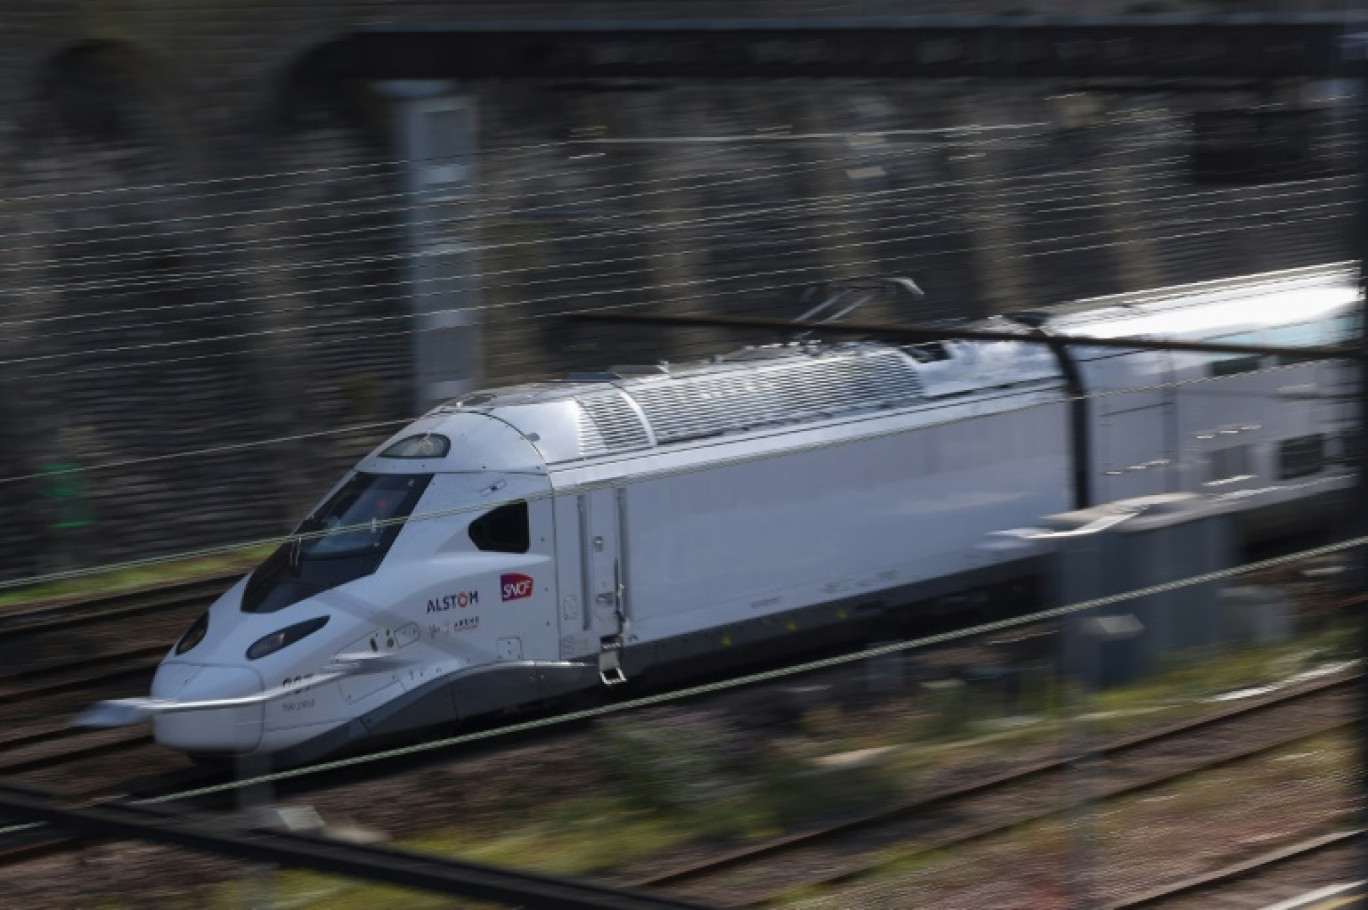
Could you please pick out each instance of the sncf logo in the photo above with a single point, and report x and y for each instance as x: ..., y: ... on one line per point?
x: 515, y: 586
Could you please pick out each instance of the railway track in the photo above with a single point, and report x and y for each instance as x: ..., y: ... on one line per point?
x: 60, y: 656
x: 1288, y: 871
x: 95, y: 645
x: 960, y: 816
x: 23, y: 753
x: 56, y: 657
x: 71, y: 612
x: 1319, y: 706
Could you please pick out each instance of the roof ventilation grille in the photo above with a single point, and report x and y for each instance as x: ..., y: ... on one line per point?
x: 608, y: 423
x: 695, y: 407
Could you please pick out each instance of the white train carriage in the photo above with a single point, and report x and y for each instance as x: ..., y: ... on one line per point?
x: 524, y: 544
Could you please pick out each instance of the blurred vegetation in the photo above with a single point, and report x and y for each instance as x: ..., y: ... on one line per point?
x: 1190, y: 681
x: 724, y: 781
x: 139, y: 577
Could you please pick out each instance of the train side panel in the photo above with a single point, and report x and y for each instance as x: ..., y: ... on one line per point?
x: 1270, y: 433
x: 764, y: 536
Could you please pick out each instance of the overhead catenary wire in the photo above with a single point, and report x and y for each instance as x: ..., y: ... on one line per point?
x: 824, y: 205
x: 534, y: 301
x: 487, y: 213
x: 163, y: 282
x: 394, y: 164
x: 968, y: 135
x: 385, y: 424
x: 802, y: 166
x: 403, y: 204
x: 371, y: 336
x: 531, y: 302
x: 209, y: 450
x: 785, y: 167
x: 852, y: 200
x: 288, y: 438
x: 993, y: 395
x: 314, y: 305
x: 640, y: 289
x: 160, y: 283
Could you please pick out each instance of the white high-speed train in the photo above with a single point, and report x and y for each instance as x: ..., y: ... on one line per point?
x: 524, y: 544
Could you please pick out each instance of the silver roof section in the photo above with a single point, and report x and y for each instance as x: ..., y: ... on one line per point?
x: 793, y: 390
x: 1093, y: 309
x: 609, y: 423
x: 593, y: 415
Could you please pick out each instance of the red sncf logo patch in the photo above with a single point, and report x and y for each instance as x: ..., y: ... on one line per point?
x: 515, y: 586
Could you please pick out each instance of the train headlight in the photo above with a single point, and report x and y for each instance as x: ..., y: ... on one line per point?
x: 272, y: 643
x: 194, y: 635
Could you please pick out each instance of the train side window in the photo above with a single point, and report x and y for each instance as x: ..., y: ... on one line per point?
x: 1234, y: 364
x: 1228, y: 464
x: 1349, y: 442
x: 1301, y: 457
x: 427, y: 445
x: 1287, y: 360
x: 503, y: 530
x: 1346, y: 326
x: 1229, y: 366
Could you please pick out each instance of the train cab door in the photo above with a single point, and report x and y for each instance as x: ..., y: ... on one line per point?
x: 604, y: 582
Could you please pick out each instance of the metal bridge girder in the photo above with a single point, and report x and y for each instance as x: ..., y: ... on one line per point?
x: 1150, y: 47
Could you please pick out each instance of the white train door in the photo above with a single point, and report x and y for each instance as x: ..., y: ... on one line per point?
x: 604, y: 584
x: 590, y: 578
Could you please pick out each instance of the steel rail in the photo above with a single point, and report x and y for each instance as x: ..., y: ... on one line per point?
x: 917, y: 807
x: 1247, y: 869
x: 30, y: 682
x: 992, y: 829
x: 46, y: 615
x: 98, y: 744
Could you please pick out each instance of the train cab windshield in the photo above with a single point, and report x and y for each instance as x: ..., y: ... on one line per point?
x: 345, y: 538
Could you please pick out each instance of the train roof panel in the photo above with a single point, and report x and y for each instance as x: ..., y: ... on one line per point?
x: 456, y: 442
x: 1214, y: 309
x: 590, y: 415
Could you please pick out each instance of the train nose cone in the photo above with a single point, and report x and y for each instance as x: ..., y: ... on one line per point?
x: 212, y: 729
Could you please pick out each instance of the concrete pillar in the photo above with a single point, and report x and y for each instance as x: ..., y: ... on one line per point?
x: 833, y: 175
x: 992, y: 218
x: 436, y: 135
x: 676, y: 246
x: 1120, y: 185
